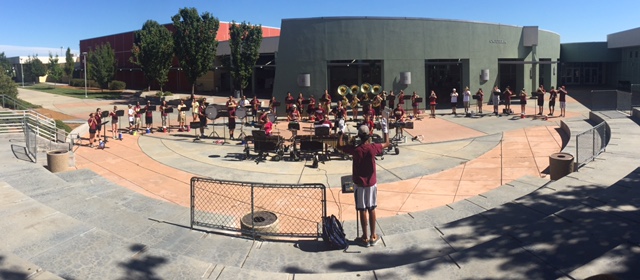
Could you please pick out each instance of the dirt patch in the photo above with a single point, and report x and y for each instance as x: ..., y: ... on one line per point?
x: 58, y: 116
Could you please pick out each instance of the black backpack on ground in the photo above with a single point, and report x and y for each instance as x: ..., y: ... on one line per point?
x: 333, y: 234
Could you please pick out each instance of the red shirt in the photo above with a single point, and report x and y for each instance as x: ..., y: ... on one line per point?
x: 114, y: 117
x: 268, y: 127
x: 148, y: 111
x: 364, y: 163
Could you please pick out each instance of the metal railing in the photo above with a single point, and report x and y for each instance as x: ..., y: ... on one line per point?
x: 12, y: 121
x: 604, y: 100
x: 590, y: 143
x: 258, y: 209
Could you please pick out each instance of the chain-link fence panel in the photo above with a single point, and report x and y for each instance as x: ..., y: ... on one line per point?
x: 256, y: 209
x: 623, y: 102
x: 591, y: 143
x: 31, y: 140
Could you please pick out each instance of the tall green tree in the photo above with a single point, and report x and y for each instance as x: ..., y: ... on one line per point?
x: 5, y: 65
x: 195, y: 42
x: 7, y: 86
x: 54, y: 70
x: 153, y: 52
x: 69, y: 65
x: 245, y: 40
x: 102, y: 65
x: 34, y: 68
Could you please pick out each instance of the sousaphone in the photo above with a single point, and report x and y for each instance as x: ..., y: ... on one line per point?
x: 343, y: 90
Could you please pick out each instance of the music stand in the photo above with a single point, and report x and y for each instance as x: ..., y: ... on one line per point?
x: 406, y: 97
x: 105, y: 129
x: 120, y: 113
x: 169, y: 110
x: 195, y: 126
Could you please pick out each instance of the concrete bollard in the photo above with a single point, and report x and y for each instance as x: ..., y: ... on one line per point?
x: 58, y: 160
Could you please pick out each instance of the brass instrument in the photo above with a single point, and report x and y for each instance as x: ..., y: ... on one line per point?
x: 365, y: 88
x: 354, y: 89
x: 354, y: 102
x: 343, y: 90
x: 376, y: 89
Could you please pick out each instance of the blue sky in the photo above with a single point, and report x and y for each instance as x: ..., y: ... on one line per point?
x: 39, y: 26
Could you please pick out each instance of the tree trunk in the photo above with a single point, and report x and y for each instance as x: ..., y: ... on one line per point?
x: 193, y: 88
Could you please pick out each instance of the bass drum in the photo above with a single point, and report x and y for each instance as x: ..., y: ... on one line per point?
x: 211, y: 112
x: 241, y: 112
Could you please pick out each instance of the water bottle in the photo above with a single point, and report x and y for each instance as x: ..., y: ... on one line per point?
x: 120, y: 136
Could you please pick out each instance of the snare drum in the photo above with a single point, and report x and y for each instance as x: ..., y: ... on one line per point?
x: 241, y: 112
x: 211, y: 112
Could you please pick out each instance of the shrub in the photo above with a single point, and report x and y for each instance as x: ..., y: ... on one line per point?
x: 80, y: 83
x: 7, y: 86
x: 161, y: 94
x: 117, y: 85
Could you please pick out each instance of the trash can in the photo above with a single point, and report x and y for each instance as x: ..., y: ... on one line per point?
x: 58, y: 160
x: 560, y: 164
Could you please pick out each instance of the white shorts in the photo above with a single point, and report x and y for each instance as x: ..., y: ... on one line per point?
x: 563, y: 104
x: 366, y: 198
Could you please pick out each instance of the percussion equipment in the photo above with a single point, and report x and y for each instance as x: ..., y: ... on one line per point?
x: 293, y: 126
x: 241, y: 112
x: 215, y: 111
x: 272, y: 117
x: 408, y: 125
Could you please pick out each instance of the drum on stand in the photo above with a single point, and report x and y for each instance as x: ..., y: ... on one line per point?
x: 211, y: 112
x: 241, y: 112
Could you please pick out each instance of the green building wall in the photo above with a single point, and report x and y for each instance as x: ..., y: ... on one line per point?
x: 404, y: 44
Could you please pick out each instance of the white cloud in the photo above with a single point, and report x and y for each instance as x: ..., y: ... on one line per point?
x: 42, y: 52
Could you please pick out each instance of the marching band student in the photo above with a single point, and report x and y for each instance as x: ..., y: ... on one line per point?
x: 195, y: 106
x: 182, y: 116
x: 163, y: 114
x: 507, y: 99
x: 288, y: 102
x: 391, y: 100
x: 376, y: 105
x: 92, y: 129
x: 202, y: 116
x: 414, y: 104
x: 136, y: 110
x: 98, y: 117
x: 272, y: 104
x: 523, y: 102
x: 401, y: 99
x: 299, y: 101
x: 552, y: 101
x: 563, y: 100
x: 320, y: 114
x: 454, y: 102
x: 479, y: 97
x: 132, y: 115
x: 231, y: 108
x: 433, y: 98
x: 311, y: 108
x: 114, y: 121
x: 368, y: 121
x: 540, y: 94
x: 255, y: 107
x: 326, y: 101
x: 495, y: 99
x: 466, y: 98
x: 354, y: 107
x: 148, y: 116
x: 294, y: 116
x: 268, y: 125
x: 399, y: 113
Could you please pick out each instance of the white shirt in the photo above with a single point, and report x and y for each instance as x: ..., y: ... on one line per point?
x: 131, y: 113
x: 466, y: 95
x: 454, y: 97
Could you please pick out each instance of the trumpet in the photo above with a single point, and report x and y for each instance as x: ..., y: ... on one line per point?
x: 343, y: 90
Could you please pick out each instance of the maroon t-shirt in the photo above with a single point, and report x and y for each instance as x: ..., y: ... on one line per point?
x: 364, y: 163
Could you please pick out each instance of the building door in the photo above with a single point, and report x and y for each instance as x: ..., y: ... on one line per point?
x: 591, y: 75
x: 442, y: 77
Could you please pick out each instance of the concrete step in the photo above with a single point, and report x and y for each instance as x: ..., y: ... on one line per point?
x: 15, y: 267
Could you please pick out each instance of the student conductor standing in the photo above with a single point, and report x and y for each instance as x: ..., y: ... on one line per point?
x: 364, y: 178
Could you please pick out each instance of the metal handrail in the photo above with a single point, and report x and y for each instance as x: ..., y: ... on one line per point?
x: 43, y: 125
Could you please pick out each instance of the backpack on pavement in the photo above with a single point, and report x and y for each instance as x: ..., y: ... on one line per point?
x: 333, y: 234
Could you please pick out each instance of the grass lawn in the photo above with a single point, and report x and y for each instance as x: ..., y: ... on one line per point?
x: 77, y: 92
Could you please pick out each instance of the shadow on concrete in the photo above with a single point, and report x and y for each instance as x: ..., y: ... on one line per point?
x: 20, y: 153
x: 10, y: 274
x: 544, y: 235
x: 141, y: 265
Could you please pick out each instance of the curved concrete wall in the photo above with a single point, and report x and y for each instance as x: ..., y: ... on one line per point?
x: 403, y: 44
